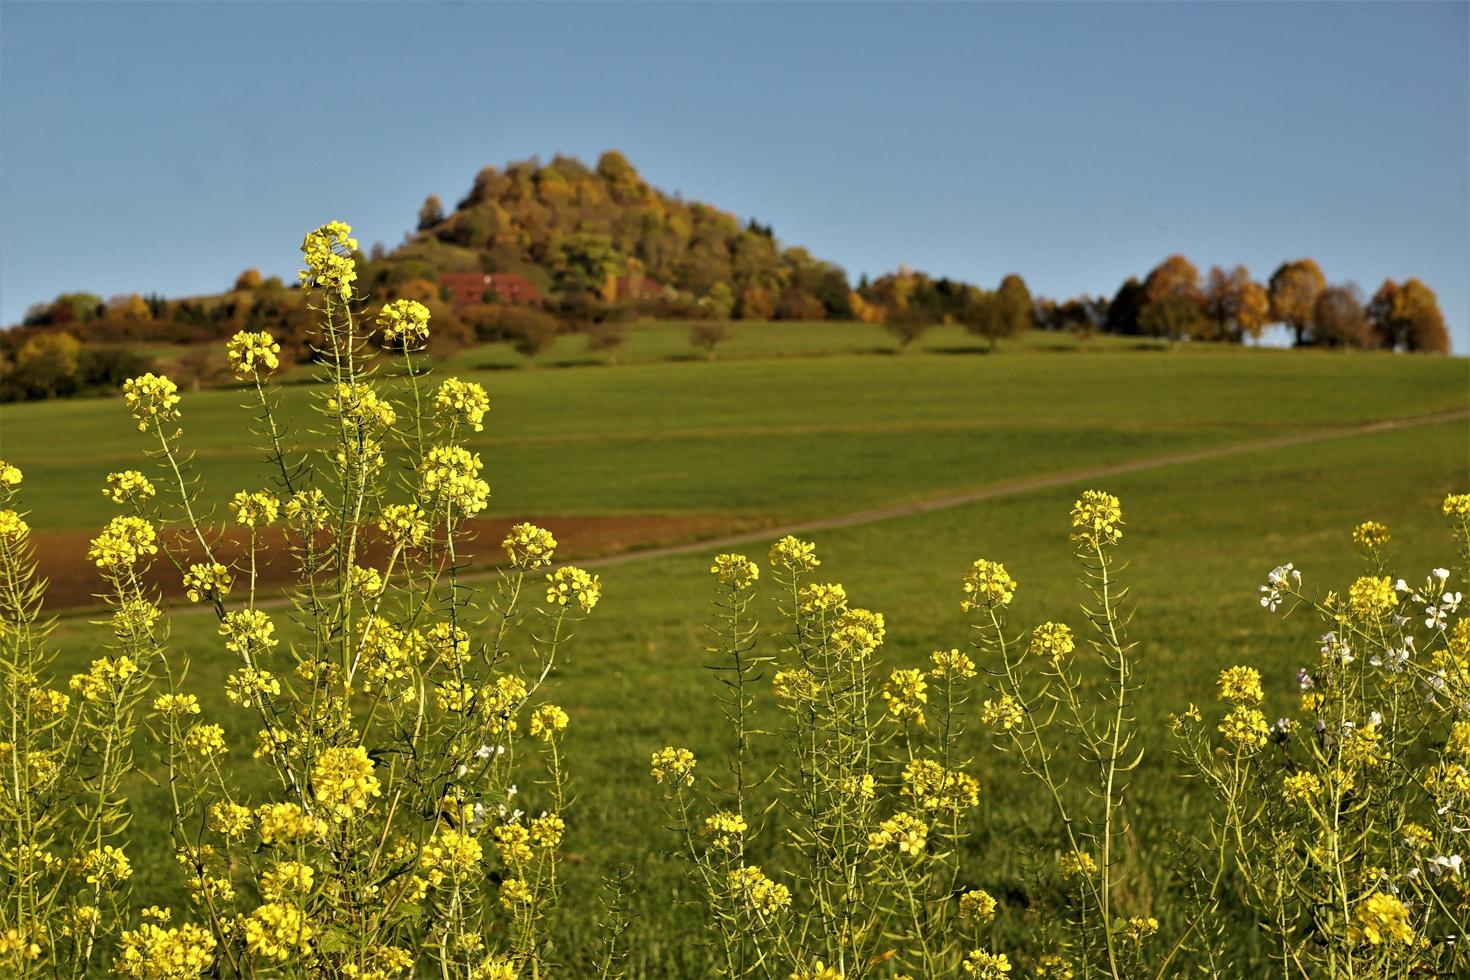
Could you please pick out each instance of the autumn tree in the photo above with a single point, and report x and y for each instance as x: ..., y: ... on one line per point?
x: 1339, y: 319
x: 431, y: 213
x: 583, y: 262
x: 1294, y: 289
x: 1235, y: 305
x: 1407, y: 317
x: 1175, y: 276
x: 249, y: 279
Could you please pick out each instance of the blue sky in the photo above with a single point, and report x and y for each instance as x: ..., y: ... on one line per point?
x: 165, y: 147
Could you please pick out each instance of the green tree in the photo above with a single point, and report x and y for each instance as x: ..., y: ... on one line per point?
x: 1173, y: 318
x: 583, y: 262
x: 1005, y: 313
x: 431, y: 213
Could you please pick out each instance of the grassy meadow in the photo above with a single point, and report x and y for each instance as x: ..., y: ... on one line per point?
x: 821, y: 421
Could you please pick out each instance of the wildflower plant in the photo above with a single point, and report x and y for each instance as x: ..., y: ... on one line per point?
x: 397, y: 708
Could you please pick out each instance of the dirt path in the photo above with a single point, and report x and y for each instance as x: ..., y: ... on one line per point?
x: 766, y: 533
x: 1026, y: 485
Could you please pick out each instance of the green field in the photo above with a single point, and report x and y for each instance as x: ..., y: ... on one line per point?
x: 792, y: 438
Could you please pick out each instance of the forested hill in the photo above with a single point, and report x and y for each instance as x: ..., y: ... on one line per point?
x: 572, y: 230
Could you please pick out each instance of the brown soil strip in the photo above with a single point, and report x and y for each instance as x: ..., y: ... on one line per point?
x: 74, y: 582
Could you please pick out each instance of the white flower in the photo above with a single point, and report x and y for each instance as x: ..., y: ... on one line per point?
x: 1441, y: 573
x: 1442, y: 863
x: 1278, y: 583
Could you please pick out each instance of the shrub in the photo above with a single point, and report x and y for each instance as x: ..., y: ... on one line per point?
x: 530, y: 331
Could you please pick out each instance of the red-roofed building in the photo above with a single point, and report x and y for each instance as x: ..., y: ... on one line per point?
x: 468, y: 288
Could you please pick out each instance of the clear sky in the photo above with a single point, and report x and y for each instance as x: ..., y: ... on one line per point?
x: 166, y: 146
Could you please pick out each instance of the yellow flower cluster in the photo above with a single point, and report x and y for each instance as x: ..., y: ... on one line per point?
x: 1078, y: 864
x: 1097, y: 519
x: 677, y: 765
x: 724, y: 829
x: 1053, y: 641
x: 1241, y: 685
x: 286, y: 823
x: 548, y: 721
x: 123, y: 543
x: 308, y: 509
x: 364, y: 581
x: 106, y: 677
x: 547, y: 831
x: 820, y: 598
x: 794, y: 555
x: 1457, y: 505
x: 513, y: 843
x: 1140, y: 927
x: 906, y: 693
x: 205, y: 740
x: 252, y: 354
x: 903, y: 830
x: 362, y: 407
x: 1370, y: 535
x: 328, y: 254
x: 570, y: 583
x: 277, y: 931
x: 987, y: 584
x: 529, y: 547
x: 405, y: 524
x: 1381, y: 918
x: 951, y: 664
x: 254, y: 509
x: 207, y: 582
x: 934, y: 787
x: 1004, y: 712
x: 13, y: 527
x: 10, y: 476
x: 977, y: 905
x: 248, y: 631
x: 152, y: 398
x: 229, y: 819
x: 736, y: 571
x: 1246, y: 727
x: 983, y: 965
x: 135, y: 618
x: 1301, y: 787
x: 450, y: 853
x: 858, y: 633
x: 176, y: 705
x: 251, y: 686
x: 452, y: 474
x: 404, y: 321
x: 128, y: 487
x: 153, y: 952
x: 462, y: 401
x: 755, y: 891
x: 289, y: 879
x: 1372, y: 596
x: 343, y: 781
x: 107, y: 865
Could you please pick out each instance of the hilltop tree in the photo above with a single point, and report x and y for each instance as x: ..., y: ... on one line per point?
x: 249, y: 279
x: 1294, y: 288
x: 1004, y: 313
x: 1236, y: 305
x: 1408, y: 317
x: 1175, y: 276
x: 1338, y: 319
x: 431, y: 213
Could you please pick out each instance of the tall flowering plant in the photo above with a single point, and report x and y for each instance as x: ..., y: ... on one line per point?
x: 393, y: 702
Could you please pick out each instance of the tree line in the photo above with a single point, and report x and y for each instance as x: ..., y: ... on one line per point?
x: 1172, y: 302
